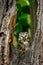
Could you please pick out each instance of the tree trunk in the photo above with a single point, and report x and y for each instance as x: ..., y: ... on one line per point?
x: 37, y: 44
x: 7, y: 22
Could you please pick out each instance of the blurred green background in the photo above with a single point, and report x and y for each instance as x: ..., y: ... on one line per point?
x: 23, y: 22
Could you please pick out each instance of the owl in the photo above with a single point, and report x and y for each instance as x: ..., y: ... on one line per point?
x: 24, y: 41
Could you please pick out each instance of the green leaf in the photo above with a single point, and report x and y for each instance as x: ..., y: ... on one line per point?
x: 23, y: 2
x: 29, y: 19
x: 25, y: 18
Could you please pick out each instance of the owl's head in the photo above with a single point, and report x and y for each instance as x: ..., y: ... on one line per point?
x: 24, y: 40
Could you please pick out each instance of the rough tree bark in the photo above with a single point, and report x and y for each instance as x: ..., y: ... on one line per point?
x: 37, y: 45
x: 7, y: 22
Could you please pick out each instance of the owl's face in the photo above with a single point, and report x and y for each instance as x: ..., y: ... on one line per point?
x: 24, y: 36
x: 24, y: 39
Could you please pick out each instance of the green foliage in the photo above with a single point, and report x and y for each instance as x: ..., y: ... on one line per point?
x: 32, y: 1
x: 23, y: 21
x: 23, y: 3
